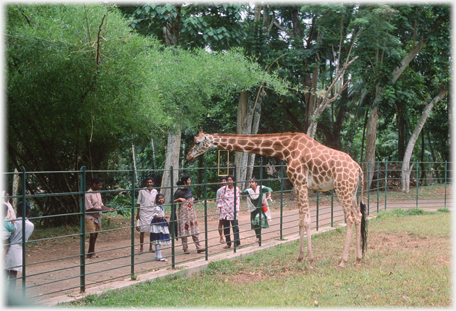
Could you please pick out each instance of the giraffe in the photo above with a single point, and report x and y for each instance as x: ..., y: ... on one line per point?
x: 311, y: 165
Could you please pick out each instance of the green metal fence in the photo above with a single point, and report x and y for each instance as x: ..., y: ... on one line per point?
x: 44, y: 275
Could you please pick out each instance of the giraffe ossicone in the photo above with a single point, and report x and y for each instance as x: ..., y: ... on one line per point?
x: 311, y: 165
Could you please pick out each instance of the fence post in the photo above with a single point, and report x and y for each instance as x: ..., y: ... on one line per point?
x: 260, y: 199
x: 417, y: 181
x: 205, y: 213
x: 24, y: 214
x: 133, y: 178
x: 281, y: 201
x: 446, y: 167
x: 378, y: 185
x: 318, y: 197
x: 235, y: 224
x: 332, y: 206
x: 82, y: 228
x: 386, y: 179
x: 368, y: 188
x: 173, y: 223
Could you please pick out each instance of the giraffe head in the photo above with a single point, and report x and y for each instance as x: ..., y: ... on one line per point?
x: 201, y: 145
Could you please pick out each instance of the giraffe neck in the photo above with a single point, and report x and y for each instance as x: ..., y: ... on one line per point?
x: 274, y: 145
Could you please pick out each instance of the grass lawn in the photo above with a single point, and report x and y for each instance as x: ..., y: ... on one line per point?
x: 408, y: 264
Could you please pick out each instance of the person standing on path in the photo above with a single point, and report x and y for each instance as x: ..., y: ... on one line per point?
x: 8, y: 228
x: 159, y: 229
x: 13, y: 258
x: 228, y: 206
x: 11, y: 215
x: 219, y: 207
x: 257, y: 204
x: 187, y: 221
x: 94, y: 207
x: 146, y: 205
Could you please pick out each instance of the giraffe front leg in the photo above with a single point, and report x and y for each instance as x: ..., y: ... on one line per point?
x: 304, y: 224
x: 307, y: 223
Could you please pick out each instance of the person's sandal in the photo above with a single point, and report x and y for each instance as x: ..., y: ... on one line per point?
x: 227, y: 246
x: 202, y: 250
x: 186, y: 252
x: 222, y: 240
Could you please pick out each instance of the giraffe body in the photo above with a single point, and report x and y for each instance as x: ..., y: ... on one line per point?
x: 311, y: 165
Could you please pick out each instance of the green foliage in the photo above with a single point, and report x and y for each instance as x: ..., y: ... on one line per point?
x: 401, y: 213
x: 184, y: 86
x: 122, y: 205
x: 110, y: 99
x: 221, y: 267
x: 218, y: 26
x: 74, y: 88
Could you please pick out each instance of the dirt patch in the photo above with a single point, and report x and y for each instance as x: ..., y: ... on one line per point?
x: 248, y: 277
x: 409, y: 240
x: 414, y: 244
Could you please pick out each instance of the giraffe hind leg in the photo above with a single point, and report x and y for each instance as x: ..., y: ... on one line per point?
x: 301, y: 243
x: 358, y: 217
x: 347, y: 243
x: 350, y: 217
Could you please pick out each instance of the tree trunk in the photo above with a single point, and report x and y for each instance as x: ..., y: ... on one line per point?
x: 371, y: 138
x: 322, y: 103
x: 172, y: 160
x: 134, y: 162
x: 153, y: 152
x: 183, y: 154
x: 364, y: 136
x: 242, y: 128
x: 256, y: 115
x: 423, y: 167
x: 171, y: 33
x: 171, y: 28
x: 370, y: 150
x: 16, y: 179
x: 406, y: 168
x: 401, y: 130
x: 337, y: 128
x: 312, y: 97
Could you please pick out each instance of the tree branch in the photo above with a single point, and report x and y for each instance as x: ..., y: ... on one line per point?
x: 97, y: 54
x: 283, y: 29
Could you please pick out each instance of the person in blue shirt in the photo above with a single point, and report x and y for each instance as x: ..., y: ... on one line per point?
x: 159, y: 227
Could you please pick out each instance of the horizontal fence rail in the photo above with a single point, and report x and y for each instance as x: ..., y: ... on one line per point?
x: 54, y: 259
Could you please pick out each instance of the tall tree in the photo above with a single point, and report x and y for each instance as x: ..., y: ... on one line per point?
x: 61, y: 121
x: 218, y: 33
x: 406, y: 167
x: 429, y: 24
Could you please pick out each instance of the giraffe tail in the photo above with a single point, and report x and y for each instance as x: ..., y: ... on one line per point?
x: 362, y: 209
